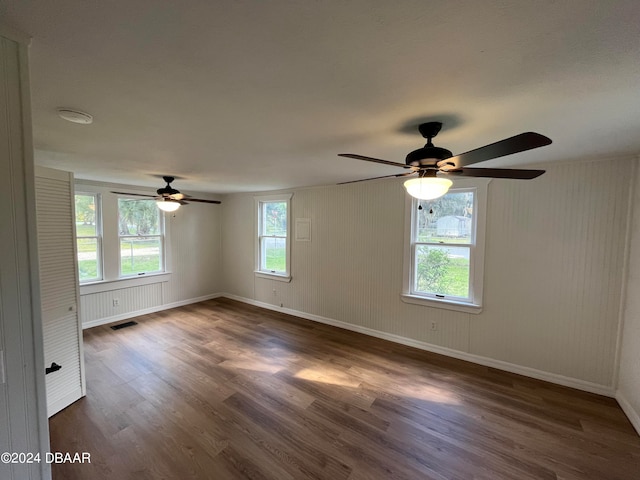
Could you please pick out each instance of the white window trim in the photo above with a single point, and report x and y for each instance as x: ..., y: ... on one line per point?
x: 124, y: 282
x: 161, y: 236
x: 111, y: 278
x: 282, y: 277
x: 97, y: 199
x: 474, y: 305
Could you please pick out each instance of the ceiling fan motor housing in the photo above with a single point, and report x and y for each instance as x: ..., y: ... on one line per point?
x: 427, y: 156
x: 167, y: 190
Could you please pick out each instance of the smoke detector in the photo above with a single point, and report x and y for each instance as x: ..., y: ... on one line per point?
x: 75, y: 116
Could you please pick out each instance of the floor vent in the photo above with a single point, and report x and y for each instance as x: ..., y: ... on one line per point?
x: 124, y: 325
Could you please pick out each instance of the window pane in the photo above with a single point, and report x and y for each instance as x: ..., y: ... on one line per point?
x: 274, y: 219
x: 88, y: 263
x: 86, y: 216
x: 138, y: 217
x: 140, y: 255
x: 273, y: 254
x: 442, y: 270
x: 447, y: 219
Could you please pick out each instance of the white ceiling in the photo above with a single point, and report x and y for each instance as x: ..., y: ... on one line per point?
x: 247, y: 95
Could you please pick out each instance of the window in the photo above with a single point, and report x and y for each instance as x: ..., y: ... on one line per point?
x: 273, y: 239
x: 140, y: 233
x: 88, y: 237
x: 122, y: 240
x: 444, y: 258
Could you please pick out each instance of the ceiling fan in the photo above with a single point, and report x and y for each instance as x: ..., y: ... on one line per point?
x: 169, y: 199
x: 428, y: 161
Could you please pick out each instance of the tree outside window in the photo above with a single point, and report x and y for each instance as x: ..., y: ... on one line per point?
x: 443, y: 245
x: 141, y: 239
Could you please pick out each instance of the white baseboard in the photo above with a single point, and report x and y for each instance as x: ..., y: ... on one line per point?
x: 486, y: 361
x: 145, y: 311
x: 629, y: 411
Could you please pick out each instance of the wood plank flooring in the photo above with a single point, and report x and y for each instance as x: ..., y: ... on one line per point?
x: 223, y: 390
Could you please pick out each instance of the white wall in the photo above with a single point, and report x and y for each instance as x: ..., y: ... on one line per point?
x: 194, y: 260
x: 23, y: 420
x: 553, y: 272
x: 628, y: 393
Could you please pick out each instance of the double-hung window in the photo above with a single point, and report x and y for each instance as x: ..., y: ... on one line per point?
x: 140, y: 231
x: 273, y: 239
x: 445, y: 254
x: 88, y: 237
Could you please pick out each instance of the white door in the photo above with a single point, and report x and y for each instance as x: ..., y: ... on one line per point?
x: 59, y: 289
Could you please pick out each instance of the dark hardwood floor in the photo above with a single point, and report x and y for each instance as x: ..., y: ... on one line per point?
x: 223, y: 390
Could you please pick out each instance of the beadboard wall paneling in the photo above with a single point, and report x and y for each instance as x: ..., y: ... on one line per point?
x: 96, y: 306
x: 553, y: 272
x: 555, y: 253
x: 193, y: 258
x: 628, y: 393
x: 23, y: 418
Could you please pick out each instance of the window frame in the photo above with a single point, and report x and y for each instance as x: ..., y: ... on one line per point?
x: 476, y: 252
x: 110, y: 246
x: 160, y: 236
x: 260, y: 201
x: 97, y: 201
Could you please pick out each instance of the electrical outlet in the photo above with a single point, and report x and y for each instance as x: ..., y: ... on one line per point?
x: 434, y: 326
x: 116, y: 302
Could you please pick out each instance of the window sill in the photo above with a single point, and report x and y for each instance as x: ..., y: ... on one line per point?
x: 108, y: 285
x: 273, y: 276
x: 441, y: 303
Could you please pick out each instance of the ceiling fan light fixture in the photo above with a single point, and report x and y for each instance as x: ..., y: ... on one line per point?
x: 427, y: 188
x: 167, y: 205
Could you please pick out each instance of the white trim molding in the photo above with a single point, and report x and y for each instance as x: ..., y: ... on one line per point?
x: 145, y: 311
x: 258, y: 271
x: 125, y: 282
x: 479, y: 187
x: 632, y: 415
x: 576, y: 383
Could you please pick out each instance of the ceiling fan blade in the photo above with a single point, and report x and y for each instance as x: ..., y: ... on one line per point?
x: 376, y: 178
x: 519, y: 143
x: 518, y: 174
x: 203, y: 201
x: 376, y: 160
x: 134, y: 194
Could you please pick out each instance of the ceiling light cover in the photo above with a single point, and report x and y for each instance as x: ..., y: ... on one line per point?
x: 427, y: 188
x: 75, y: 116
x: 168, y: 205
